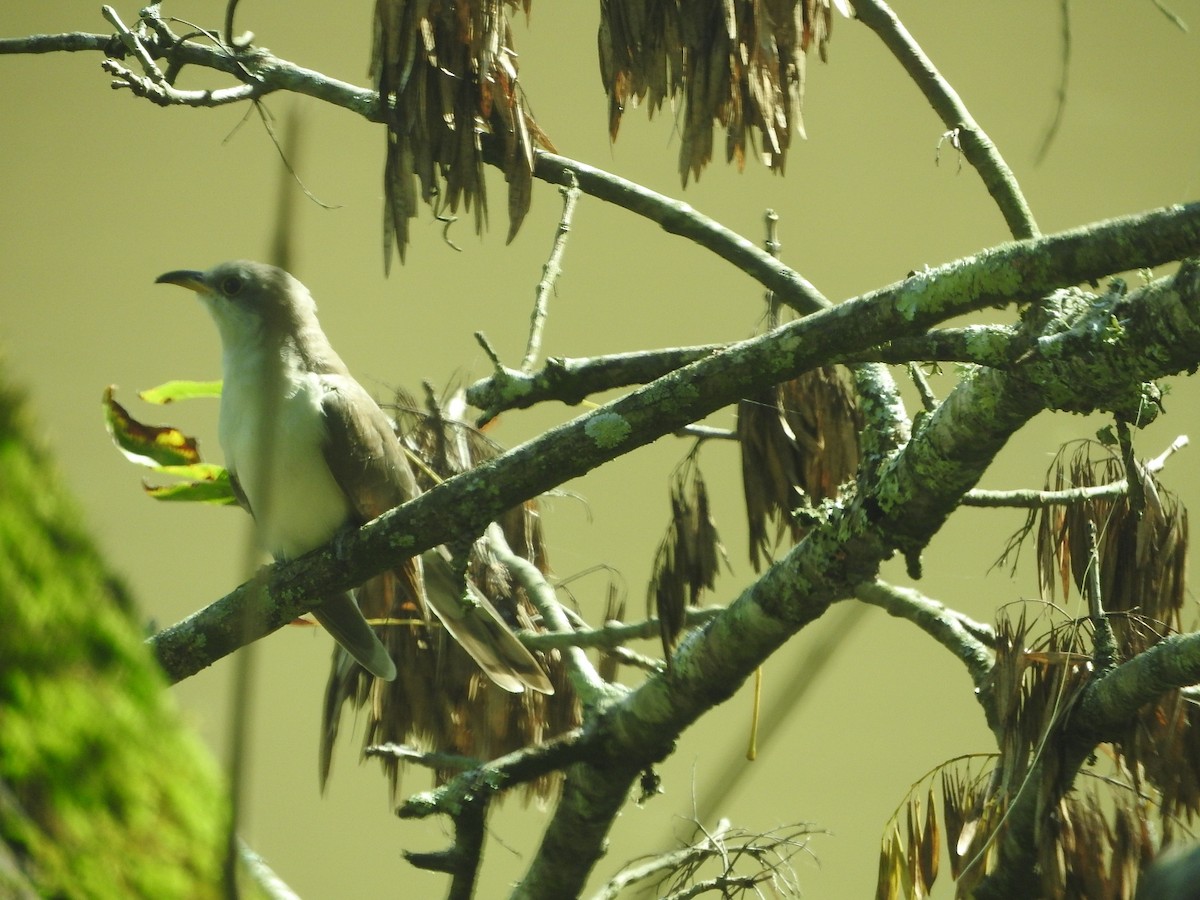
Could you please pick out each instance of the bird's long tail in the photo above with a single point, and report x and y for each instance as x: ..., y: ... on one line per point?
x: 474, y: 623
x: 341, y: 617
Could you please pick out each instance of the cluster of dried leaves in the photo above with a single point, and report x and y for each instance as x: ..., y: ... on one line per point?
x: 440, y: 700
x: 688, y: 556
x: 799, y: 442
x: 739, y: 63
x: 1142, y: 546
x: 1142, y: 787
x: 447, y: 75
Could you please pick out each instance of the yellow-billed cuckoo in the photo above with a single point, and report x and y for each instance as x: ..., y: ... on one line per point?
x: 309, y: 453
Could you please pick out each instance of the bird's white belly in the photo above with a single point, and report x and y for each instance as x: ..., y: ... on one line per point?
x: 296, y: 502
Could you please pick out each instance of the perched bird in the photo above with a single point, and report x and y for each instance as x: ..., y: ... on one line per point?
x: 310, y: 453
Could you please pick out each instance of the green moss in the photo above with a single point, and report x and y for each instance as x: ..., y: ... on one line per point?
x: 116, y: 798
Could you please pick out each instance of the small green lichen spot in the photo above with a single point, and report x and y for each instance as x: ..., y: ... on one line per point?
x: 607, y: 429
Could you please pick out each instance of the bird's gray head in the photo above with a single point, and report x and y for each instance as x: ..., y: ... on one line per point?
x: 250, y: 301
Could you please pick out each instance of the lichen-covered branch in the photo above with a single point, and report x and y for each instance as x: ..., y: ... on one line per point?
x: 467, y: 503
x: 570, y: 380
x: 915, y: 494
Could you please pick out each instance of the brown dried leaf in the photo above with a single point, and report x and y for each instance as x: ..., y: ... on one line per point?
x: 688, y: 557
x: 1142, y: 556
x: 800, y: 443
x: 931, y: 846
x: 447, y: 81
x: 887, y: 883
x: 739, y: 64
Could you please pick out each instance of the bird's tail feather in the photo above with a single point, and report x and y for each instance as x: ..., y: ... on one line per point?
x: 341, y: 617
x: 480, y: 630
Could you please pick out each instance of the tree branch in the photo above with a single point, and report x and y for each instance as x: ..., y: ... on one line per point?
x: 570, y: 380
x: 550, y: 271
x: 1035, y: 499
x: 976, y: 146
x: 918, y: 490
x: 467, y: 503
x: 967, y: 639
x: 586, y: 681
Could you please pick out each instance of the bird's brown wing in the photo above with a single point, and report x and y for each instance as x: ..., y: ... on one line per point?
x: 368, y: 462
x: 340, y: 616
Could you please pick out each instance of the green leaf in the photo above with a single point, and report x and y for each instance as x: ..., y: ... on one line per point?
x: 205, y: 483
x: 170, y: 391
x: 147, y: 445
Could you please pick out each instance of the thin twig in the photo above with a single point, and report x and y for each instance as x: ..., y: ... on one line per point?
x: 1035, y: 499
x: 570, y: 380
x: 614, y: 634
x: 1060, y: 105
x: 427, y: 758
x: 974, y: 141
x: 586, y: 681
x: 928, y: 398
x: 550, y: 273
x: 665, y: 862
x: 265, y: 880
x: 970, y: 641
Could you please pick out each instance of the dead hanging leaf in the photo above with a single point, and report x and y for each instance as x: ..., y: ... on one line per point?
x: 614, y: 611
x: 1143, y: 554
x: 929, y: 855
x: 909, y: 854
x: 1091, y: 844
x: 440, y: 700
x: 800, y: 443
x: 740, y: 64
x: 447, y: 80
x: 688, y: 557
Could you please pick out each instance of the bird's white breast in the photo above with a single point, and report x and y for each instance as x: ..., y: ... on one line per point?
x: 296, y: 502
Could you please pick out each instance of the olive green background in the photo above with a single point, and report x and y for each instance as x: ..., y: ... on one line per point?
x: 102, y: 192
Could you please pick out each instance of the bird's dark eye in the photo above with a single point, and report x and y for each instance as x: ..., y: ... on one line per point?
x: 230, y: 285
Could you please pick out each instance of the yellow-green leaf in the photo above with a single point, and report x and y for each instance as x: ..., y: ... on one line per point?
x: 170, y: 391
x: 204, y: 483
x: 147, y: 445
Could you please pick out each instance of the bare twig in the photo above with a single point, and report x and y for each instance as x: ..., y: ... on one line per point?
x: 570, y: 380
x: 265, y: 880
x: 969, y: 640
x: 656, y: 866
x: 1060, y: 105
x: 677, y: 217
x: 928, y: 398
x: 1034, y: 499
x: 976, y: 145
x: 550, y: 273
x: 586, y: 681
x: 500, y: 774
